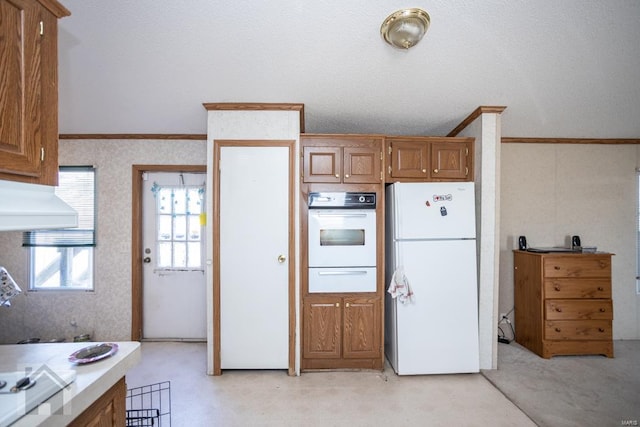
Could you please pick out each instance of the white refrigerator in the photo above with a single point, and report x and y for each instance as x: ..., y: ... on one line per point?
x: 431, y: 237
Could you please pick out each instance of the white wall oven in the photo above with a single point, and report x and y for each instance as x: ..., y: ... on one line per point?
x: 342, y: 242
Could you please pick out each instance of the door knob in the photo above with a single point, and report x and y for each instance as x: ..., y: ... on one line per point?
x: 282, y: 258
x: 146, y: 260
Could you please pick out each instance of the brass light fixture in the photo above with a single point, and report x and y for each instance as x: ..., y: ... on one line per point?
x: 405, y: 28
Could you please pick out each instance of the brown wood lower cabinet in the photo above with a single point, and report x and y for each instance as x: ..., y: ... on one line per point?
x: 342, y: 332
x: 108, y: 411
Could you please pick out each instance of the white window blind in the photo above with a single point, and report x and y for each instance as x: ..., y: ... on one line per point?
x: 76, y: 186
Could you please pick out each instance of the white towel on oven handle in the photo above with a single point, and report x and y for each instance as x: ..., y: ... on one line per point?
x: 399, y: 287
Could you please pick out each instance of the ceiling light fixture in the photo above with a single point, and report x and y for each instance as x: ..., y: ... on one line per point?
x: 405, y: 28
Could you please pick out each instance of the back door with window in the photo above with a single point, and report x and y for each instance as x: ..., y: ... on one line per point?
x: 174, y: 283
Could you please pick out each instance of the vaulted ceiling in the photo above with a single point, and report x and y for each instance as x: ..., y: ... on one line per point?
x: 566, y: 68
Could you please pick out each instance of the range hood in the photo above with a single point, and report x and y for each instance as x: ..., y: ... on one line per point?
x: 33, y: 207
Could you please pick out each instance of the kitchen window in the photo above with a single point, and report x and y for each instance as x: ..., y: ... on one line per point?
x: 63, y: 259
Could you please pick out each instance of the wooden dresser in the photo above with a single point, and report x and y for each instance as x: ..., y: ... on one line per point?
x: 563, y: 303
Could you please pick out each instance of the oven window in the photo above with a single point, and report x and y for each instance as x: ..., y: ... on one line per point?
x: 341, y: 237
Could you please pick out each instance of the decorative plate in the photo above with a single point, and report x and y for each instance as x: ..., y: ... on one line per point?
x: 93, y: 353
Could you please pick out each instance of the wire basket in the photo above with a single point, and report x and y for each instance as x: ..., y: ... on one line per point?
x: 149, y: 405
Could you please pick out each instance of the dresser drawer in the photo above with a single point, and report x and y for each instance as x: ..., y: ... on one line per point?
x: 577, y: 330
x: 577, y: 288
x: 577, y: 266
x: 570, y: 309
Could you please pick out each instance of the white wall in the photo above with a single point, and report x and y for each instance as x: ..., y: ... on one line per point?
x: 552, y: 191
x: 105, y: 313
x: 486, y: 130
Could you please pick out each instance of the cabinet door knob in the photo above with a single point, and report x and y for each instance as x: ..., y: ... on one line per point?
x: 337, y: 304
x: 347, y: 305
x: 337, y: 175
x: 346, y: 176
x: 281, y: 258
x: 434, y: 171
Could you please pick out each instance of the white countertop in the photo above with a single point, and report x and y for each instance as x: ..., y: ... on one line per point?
x: 91, y: 380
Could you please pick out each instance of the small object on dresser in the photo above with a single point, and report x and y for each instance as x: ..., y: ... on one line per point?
x: 522, y: 243
x: 575, y: 243
x: 590, y: 249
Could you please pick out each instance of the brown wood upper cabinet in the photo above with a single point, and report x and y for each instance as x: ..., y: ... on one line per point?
x: 342, y: 159
x: 417, y: 159
x: 29, y: 87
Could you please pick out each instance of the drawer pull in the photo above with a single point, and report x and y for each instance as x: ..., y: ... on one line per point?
x: 601, y: 329
x: 600, y: 288
x: 556, y: 288
x: 557, y: 267
x: 602, y: 310
x: 558, y: 330
x: 559, y: 309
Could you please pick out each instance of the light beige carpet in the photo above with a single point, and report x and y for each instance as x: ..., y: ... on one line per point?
x: 572, y: 390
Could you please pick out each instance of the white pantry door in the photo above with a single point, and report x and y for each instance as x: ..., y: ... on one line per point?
x: 173, y: 274
x: 254, y: 206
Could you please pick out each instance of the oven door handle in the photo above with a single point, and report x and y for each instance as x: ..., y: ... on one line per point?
x: 342, y: 273
x: 341, y: 215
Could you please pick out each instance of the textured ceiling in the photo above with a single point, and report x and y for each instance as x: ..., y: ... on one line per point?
x: 566, y: 68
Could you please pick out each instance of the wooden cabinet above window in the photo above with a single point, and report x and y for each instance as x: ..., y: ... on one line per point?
x: 420, y: 159
x: 342, y: 159
x: 29, y: 87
